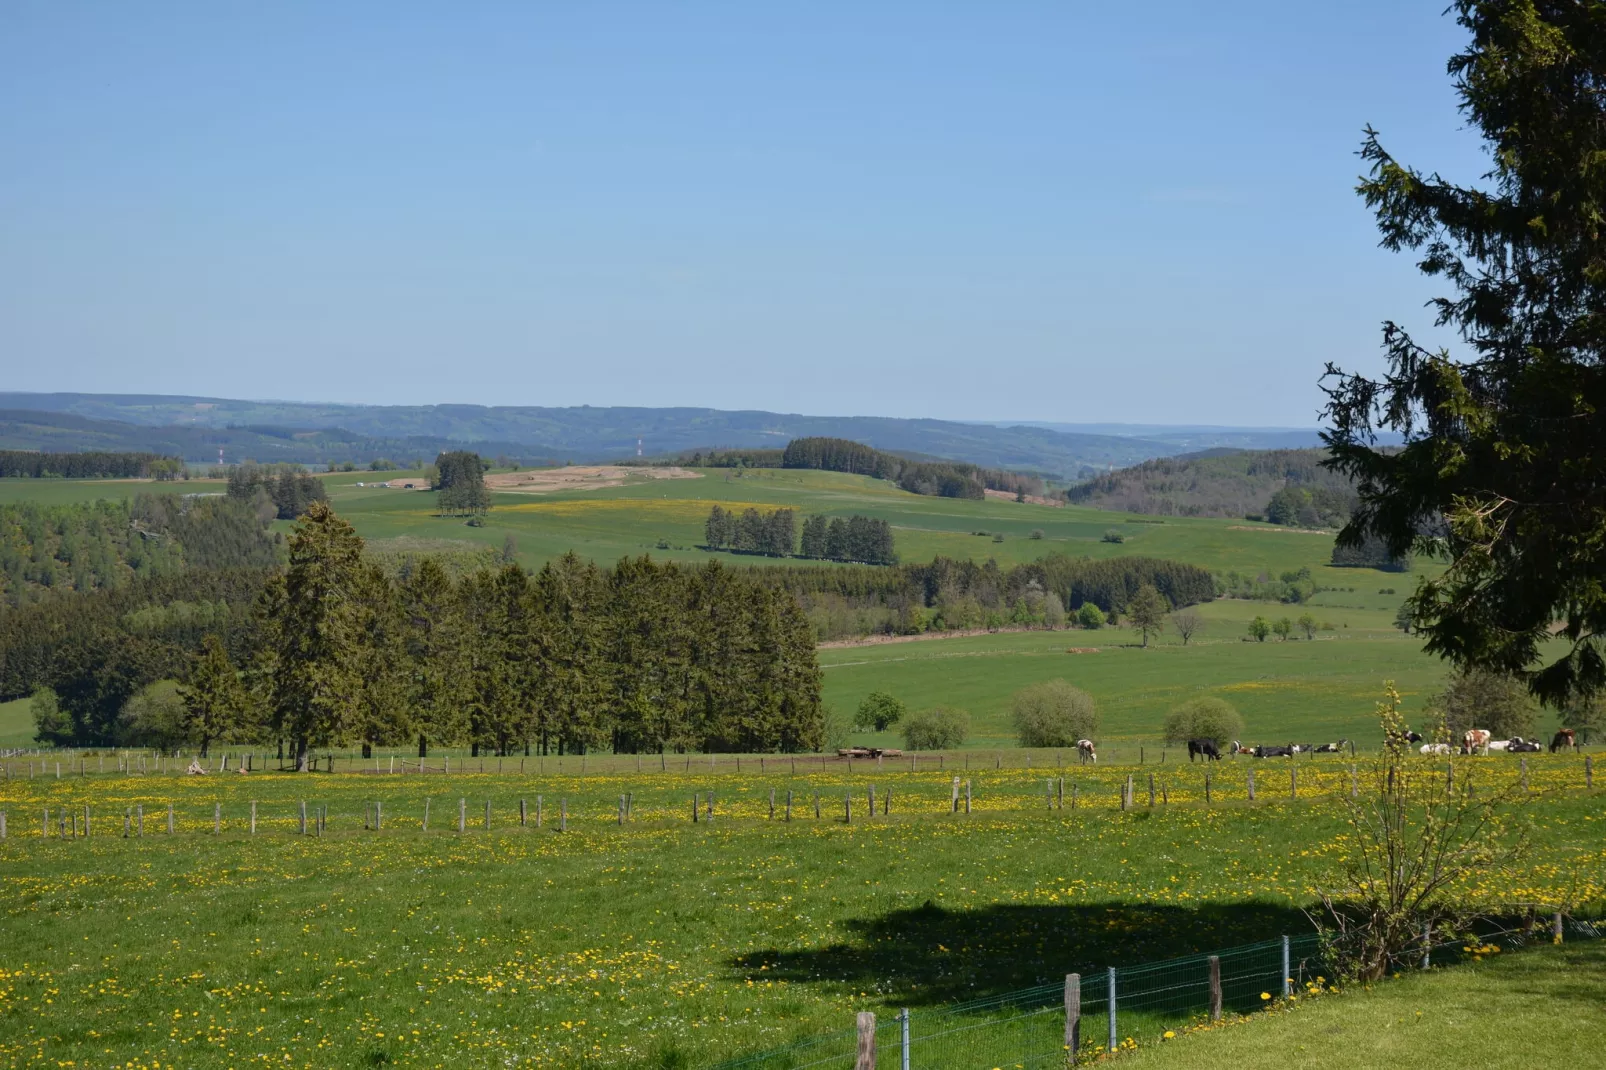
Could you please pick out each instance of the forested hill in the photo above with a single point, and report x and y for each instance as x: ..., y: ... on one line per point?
x: 1284, y: 486
x: 311, y: 433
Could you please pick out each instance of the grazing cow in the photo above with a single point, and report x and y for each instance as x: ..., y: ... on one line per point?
x: 1476, y: 739
x: 1333, y: 748
x: 1563, y: 740
x: 1204, y: 748
x: 1274, y: 752
x: 1435, y: 748
x: 1085, y: 751
x: 1525, y: 746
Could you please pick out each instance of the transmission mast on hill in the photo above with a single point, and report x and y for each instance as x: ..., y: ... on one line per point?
x: 638, y: 445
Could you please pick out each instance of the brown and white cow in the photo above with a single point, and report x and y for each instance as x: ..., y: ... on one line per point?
x: 1565, y: 739
x: 1476, y: 739
x: 1085, y: 751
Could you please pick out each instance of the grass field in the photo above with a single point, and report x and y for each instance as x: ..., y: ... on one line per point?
x: 659, y: 943
x: 16, y: 724
x: 1297, y: 691
x: 613, y: 522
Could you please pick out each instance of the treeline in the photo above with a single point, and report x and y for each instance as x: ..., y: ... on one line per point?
x: 1373, y: 553
x: 864, y: 539
x: 731, y: 458
x: 459, y: 477
x: 287, y: 489
x: 97, y: 648
x: 948, y: 594
x: 334, y: 650
x: 861, y: 539
x: 93, y: 464
x: 947, y: 479
x: 108, y: 544
x: 1228, y: 483
x: 751, y: 532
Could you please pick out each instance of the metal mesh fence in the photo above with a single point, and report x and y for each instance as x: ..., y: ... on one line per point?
x: 1029, y: 1028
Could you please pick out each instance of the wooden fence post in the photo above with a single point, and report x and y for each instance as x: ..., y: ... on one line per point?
x: 303, y: 817
x: 1354, y: 790
x: 563, y: 812
x: 487, y: 815
x: 2, y: 824
x: 1215, y: 988
x: 872, y: 800
x: 1251, y: 785
x: 1073, y: 1014
x: 170, y: 819
x: 253, y: 817
x: 788, y: 804
x: 886, y: 803
x: 217, y: 818
x: 1061, y: 797
x: 621, y: 810
x: 379, y: 816
x: 425, y: 827
x: 462, y: 815
x: 847, y: 807
x: 1151, y: 791
x: 772, y: 804
x: 865, y: 1057
x: 1589, y: 772
x: 954, y: 807
x: 816, y: 804
x: 1555, y: 927
x: 967, y: 796
x: 1207, y: 787
x: 524, y: 814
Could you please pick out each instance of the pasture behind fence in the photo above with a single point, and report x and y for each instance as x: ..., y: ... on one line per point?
x: 1098, y: 1010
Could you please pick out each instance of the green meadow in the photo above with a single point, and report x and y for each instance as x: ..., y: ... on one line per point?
x: 656, y: 943
x: 1299, y: 691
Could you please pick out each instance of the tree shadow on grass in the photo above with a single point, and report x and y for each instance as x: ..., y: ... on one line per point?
x: 931, y: 955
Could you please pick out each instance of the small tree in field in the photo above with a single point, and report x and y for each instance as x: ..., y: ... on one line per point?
x: 1307, y: 624
x: 1204, y: 718
x: 1186, y: 622
x: 879, y: 711
x: 1414, y: 844
x: 1284, y: 628
x: 1259, y: 628
x: 1054, y: 714
x: 936, y: 729
x: 1090, y: 616
x: 1146, y: 612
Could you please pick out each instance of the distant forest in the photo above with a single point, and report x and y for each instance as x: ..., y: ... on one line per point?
x: 638, y: 657
x: 946, y: 479
x: 861, y: 539
x: 949, y: 594
x: 110, y: 544
x: 1283, y: 486
x: 93, y: 464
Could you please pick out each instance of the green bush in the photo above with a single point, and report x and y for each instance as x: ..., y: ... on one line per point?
x: 879, y: 711
x: 1090, y: 616
x: 1204, y: 718
x: 1054, y: 714
x: 939, y: 728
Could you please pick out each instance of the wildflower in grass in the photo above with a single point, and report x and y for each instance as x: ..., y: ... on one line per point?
x: 1265, y: 995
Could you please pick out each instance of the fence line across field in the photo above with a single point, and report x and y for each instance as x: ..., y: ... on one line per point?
x: 55, y: 764
x: 862, y: 800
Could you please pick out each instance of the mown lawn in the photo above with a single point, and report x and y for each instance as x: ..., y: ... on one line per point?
x: 659, y: 943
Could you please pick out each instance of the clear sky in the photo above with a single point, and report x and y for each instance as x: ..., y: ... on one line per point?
x: 1069, y: 211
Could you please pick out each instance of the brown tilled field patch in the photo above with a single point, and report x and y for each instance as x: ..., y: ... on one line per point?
x: 579, y: 477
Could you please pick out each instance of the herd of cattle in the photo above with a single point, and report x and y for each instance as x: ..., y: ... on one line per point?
x: 1475, y: 741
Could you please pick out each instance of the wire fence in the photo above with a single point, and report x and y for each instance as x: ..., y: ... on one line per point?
x: 1092, y: 1013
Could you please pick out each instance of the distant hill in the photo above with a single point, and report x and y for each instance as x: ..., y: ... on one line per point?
x: 1226, y: 483
x: 32, y: 429
x: 577, y: 433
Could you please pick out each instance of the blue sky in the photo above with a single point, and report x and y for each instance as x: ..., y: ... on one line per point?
x: 1051, y: 211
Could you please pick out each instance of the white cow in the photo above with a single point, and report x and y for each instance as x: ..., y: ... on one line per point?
x: 1435, y: 748
x: 1085, y: 751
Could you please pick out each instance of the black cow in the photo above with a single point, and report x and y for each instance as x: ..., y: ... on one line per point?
x: 1274, y: 752
x: 1333, y: 748
x: 1204, y: 748
x: 1524, y: 746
